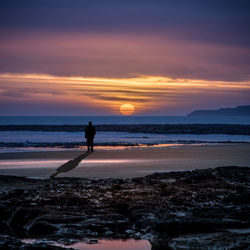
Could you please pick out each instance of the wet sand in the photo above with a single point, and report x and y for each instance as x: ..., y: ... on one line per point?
x: 125, y: 163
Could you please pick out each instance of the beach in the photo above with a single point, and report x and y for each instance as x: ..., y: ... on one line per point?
x: 163, y: 196
x: 124, y: 125
x: 124, y: 162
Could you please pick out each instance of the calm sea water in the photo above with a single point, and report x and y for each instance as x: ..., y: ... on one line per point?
x: 35, y: 139
x: 114, y: 137
x: 78, y: 120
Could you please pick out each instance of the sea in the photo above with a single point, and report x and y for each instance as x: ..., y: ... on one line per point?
x: 27, y: 140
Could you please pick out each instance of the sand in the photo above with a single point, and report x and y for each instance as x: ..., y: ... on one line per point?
x: 123, y: 163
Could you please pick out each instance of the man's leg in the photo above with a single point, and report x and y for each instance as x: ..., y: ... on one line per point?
x: 88, y: 143
x: 92, y: 144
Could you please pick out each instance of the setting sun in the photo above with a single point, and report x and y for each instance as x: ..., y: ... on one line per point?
x: 127, y: 109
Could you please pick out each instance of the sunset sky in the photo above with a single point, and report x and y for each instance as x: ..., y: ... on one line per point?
x: 88, y: 57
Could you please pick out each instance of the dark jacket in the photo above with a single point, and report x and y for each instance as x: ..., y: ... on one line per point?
x: 90, y: 132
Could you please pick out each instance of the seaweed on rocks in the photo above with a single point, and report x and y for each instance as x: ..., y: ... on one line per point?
x: 209, y: 207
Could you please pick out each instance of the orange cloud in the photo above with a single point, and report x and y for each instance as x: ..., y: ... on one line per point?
x: 146, y: 93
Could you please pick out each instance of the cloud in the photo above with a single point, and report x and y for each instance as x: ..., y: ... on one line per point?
x: 91, y: 56
x: 119, y: 99
x: 224, y: 21
x: 25, y: 93
x: 38, y: 94
x: 181, y: 39
x: 126, y: 55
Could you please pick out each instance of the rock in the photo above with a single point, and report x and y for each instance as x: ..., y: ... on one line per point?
x: 130, y: 231
x: 107, y: 233
x: 218, y: 240
x: 122, y: 208
x: 11, y: 243
x: 168, y: 213
x: 42, y: 228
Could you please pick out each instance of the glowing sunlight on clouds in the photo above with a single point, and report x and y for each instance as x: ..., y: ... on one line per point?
x: 148, y: 94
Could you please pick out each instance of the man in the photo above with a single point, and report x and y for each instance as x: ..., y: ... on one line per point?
x: 89, y: 135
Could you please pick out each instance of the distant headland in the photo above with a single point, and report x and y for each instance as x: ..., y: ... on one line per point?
x: 238, y: 111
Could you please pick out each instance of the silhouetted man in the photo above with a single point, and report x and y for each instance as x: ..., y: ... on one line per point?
x: 89, y: 135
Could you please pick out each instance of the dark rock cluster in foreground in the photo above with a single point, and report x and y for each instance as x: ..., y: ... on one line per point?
x: 201, y: 209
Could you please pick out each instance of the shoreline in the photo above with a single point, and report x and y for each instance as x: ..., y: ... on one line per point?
x: 130, y: 162
x: 68, y: 152
x: 55, y: 146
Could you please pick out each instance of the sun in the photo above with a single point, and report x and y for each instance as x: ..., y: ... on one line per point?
x: 127, y: 109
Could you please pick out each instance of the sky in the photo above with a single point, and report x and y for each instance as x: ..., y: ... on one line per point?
x: 89, y: 57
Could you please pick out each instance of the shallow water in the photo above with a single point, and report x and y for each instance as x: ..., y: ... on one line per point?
x: 126, y: 163
x: 114, y: 137
x: 130, y: 244
x: 115, y: 245
x: 27, y: 164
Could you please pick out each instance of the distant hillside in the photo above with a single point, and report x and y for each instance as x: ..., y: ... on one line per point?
x: 238, y: 111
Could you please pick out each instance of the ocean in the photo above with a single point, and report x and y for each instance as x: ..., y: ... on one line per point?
x: 29, y: 140
x: 78, y: 120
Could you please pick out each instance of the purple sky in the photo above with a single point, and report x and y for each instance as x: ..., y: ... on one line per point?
x: 125, y: 42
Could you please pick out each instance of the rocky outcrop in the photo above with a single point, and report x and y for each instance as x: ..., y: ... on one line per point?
x: 238, y: 111
x: 230, y: 129
x: 202, y: 207
x: 11, y: 243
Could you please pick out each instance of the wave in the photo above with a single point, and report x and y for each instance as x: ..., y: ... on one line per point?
x: 99, y: 120
x: 140, y: 128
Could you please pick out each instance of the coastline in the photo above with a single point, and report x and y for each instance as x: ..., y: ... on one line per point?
x: 167, y: 197
x: 124, y: 163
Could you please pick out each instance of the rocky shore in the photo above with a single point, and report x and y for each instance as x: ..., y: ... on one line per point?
x: 200, y: 209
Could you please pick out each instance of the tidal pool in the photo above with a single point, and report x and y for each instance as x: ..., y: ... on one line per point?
x: 129, y: 244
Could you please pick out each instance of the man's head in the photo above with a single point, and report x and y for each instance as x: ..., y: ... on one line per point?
x: 90, y: 123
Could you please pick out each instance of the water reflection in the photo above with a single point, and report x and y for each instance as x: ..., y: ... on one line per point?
x: 26, y: 164
x: 130, y: 244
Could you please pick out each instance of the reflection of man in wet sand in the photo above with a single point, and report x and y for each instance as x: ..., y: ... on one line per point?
x: 89, y: 135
